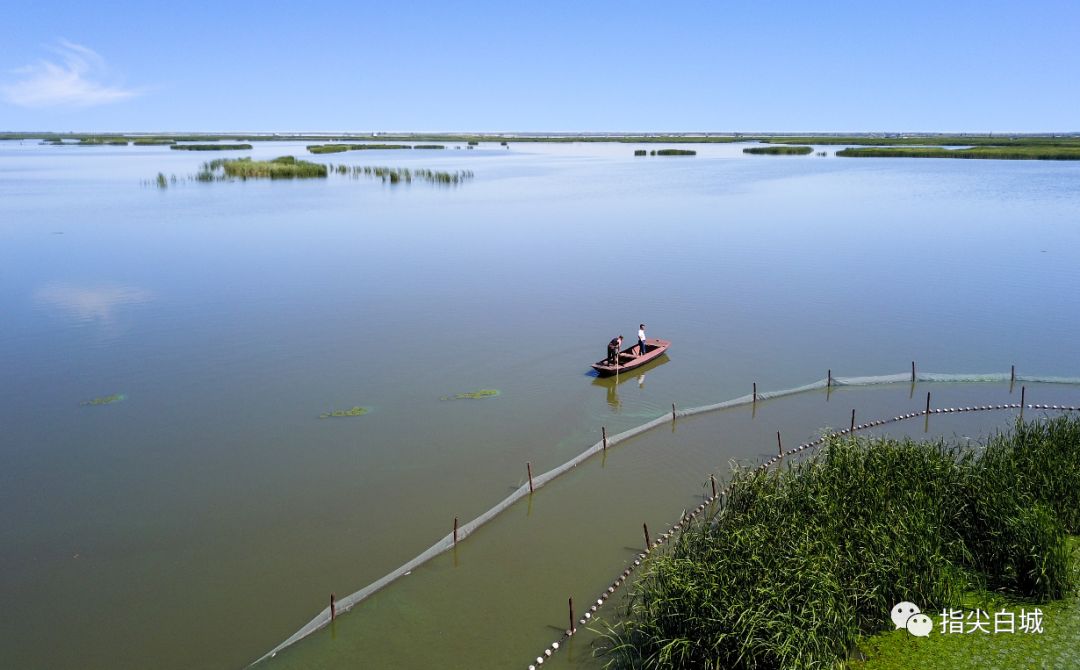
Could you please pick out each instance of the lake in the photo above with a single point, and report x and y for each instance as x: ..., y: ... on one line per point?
x: 207, y: 515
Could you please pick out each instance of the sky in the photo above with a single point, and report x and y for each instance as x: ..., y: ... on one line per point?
x: 544, y: 67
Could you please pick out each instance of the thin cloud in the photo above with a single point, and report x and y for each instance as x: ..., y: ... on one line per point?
x: 73, y: 80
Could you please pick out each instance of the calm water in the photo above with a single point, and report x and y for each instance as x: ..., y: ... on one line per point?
x: 207, y: 516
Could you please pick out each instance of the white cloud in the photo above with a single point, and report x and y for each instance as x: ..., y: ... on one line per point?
x: 72, y: 81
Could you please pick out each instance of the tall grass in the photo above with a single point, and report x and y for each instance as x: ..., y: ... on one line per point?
x: 284, y: 167
x: 405, y: 175
x: 674, y: 152
x: 338, y: 148
x: 796, y: 565
x: 429, y: 146
x: 640, y: 152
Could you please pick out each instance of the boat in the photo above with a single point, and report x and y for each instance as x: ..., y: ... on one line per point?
x: 628, y: 361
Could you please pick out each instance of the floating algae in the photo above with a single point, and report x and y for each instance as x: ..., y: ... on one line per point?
x: 355, y: 411
x: 105, y: 400
x: 474, y: 395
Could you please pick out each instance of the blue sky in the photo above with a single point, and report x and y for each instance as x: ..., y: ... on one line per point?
x: 551, y: 66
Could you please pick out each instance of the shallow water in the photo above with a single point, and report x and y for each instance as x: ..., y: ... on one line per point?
x: 212, y: 504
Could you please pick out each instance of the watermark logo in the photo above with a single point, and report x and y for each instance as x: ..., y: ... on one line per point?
x: 909, y: 616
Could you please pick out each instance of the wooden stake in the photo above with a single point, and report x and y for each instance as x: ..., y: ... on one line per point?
x: 852, y: 420
x: 333, y: 607
x: 912, y: 372
x: 779, y: 445
x: 928, y: 403
x: 1012, y: 374
x: 455, y: 531
x: 828, y: 384
x: 528, y: 466
x: 755, y: 392
x: 572, y: 628
x: 648, y: 542
x: 603, y: 431
x: 1023, y: 392
x: 712, y: 480
x: 672, y: 411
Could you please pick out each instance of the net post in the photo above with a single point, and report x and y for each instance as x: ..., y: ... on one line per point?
x: 755, y: 393
x: 648, y: 540
x: 1023, y: 393
x: 912, y: 372
x: 712, y: 480
x: 828, y: 384
x: 779, y: 445
x: 673, y: 411
x: 603, y: 432
x: 571, y: 628
x: 852, y: 431
x: 1012, y: 374
x: 927, y: 403
x: 333, y: 607
x: 455, y: 531
x: 528, y: 467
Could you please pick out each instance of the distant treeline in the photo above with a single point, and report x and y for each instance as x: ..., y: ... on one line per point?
x: 779, y: 150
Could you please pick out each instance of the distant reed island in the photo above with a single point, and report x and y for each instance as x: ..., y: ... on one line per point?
x: 1034, y: 146
x: 210, y: 147
x: 781, y: 150
x: 666, y: 152
x: 289, y: 167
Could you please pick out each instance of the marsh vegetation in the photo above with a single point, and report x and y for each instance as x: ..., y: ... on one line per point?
x: 797, y: 565
x: 782, y: 150
x: 404, y: 175
x: 1036, y: 152
x: 338, y: 148
x: 284, y: 167
x: 673, y: 152
x: 210, y: 147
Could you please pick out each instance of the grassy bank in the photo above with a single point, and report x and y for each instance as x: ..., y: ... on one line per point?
x: 797, y: 566
x: 779, y: 150
x: 931, y: 140
x: 210, y: 147
x: 285, y: 167
x: 1039, y: 152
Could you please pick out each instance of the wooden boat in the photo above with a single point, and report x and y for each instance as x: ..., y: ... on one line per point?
x: 628, y: 361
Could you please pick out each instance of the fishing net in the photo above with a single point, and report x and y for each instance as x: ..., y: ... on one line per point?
x: 346, y: 603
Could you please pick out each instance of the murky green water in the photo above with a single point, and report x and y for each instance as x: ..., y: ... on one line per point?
x: 209, y: 514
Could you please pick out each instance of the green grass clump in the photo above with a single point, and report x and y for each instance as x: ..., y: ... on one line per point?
x: 209, y: 147
x: 337, y: 413
x: 797, y: 565
x: 675, y: 152
x: 284, y: 167
x: 1038, y: 152
x: 98, y: 141
x: 161, y: 181
x: 779, y: 150
x: 105, y: 400
x: 473, y: 395
x: 152, y: 141
x: 473, y: 143
x: 640, y: 152
x: 429, y: 146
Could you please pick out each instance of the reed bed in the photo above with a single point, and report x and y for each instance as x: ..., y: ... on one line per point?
x: 640, y: 152
x: 797, y: 564
x: 99, y: 141
x: 338, y: 148
x: 284, y: 167
x: 210, y: 147
x: 674, y: 152
x: 405, y: 175
x: 1038, y: 152
x: 429, y: 146
x: 152, y: 141
x: 782, y: 150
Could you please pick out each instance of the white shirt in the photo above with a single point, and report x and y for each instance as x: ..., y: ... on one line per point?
x: 641, y: 334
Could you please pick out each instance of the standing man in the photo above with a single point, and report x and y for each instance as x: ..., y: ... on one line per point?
x: 613, y: 348
x: 642, y: 347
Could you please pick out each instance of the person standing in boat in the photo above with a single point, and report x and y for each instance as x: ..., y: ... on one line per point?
x: 642, y: 347
x: 613, y: 348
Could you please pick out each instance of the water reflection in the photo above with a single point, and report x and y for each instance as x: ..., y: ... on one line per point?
x: 96, y: 304
x: 612, y: 384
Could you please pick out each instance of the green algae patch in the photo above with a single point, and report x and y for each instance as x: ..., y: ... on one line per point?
x: 337, y: 413
x: 105, y: 400
x: 473, y: 395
